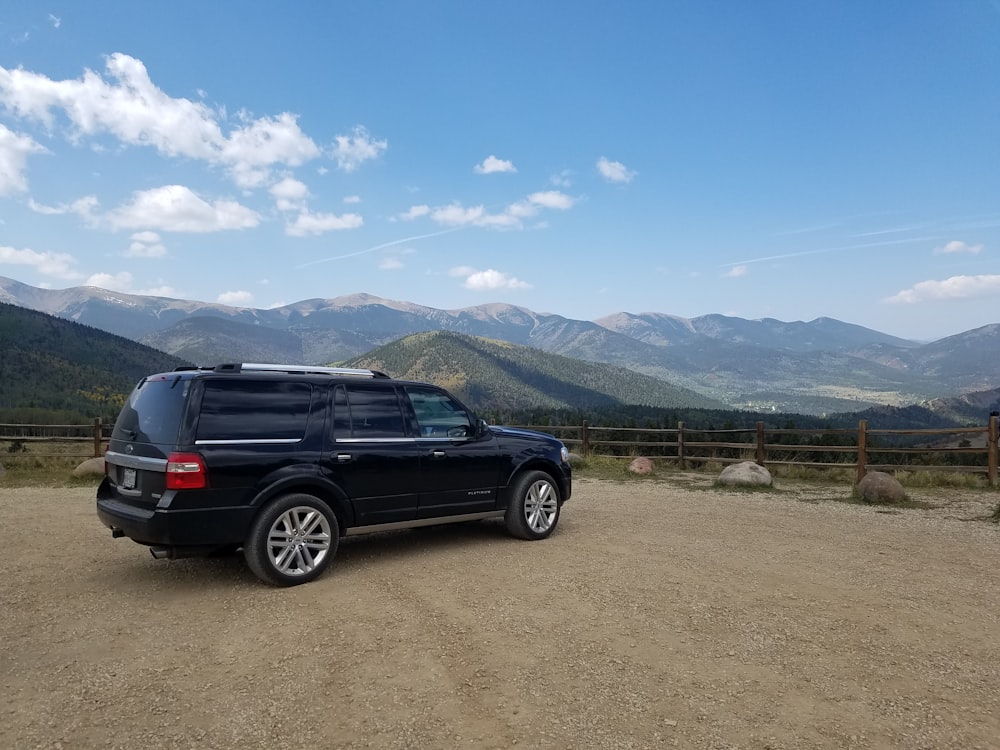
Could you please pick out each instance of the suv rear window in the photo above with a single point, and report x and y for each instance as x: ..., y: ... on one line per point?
x: 251, y: 410
x: 153, y: 411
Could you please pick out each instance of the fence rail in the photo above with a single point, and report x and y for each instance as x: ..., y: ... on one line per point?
x: 861, y: 450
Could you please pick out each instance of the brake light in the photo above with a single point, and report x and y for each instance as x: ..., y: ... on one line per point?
x: 186, y: 471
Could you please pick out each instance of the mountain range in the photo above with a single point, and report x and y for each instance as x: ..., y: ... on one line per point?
x: 814, y: 367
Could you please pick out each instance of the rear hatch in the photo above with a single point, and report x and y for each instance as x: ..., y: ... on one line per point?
x: 144, y: 435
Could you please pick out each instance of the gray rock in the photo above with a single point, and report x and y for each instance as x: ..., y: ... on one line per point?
x: 745, y: 474
x: 879, y: 487
x: 90, y: 467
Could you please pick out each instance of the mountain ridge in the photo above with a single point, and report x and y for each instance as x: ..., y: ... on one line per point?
x: 818, y: 366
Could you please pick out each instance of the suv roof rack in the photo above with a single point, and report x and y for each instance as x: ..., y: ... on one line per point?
x: 303, y: 369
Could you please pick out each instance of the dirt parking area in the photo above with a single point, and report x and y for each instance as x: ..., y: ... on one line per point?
x: 660, y: 614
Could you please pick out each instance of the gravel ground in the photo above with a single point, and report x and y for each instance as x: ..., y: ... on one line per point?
x: 660, y: 614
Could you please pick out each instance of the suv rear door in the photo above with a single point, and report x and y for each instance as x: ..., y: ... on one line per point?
x: 374, y: 458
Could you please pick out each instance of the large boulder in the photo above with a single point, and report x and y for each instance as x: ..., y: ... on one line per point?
x: 879, y: 487
x: 90, y: 468
x: 641, y: 465
x: 745, y: 474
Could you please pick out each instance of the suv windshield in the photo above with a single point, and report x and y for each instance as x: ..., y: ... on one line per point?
x: 153, y: 411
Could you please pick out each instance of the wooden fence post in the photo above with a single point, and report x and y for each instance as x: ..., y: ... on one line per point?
x: 98, y: 437
x: 992, y: 449
x: 680, y: 445
x: 585, y: 439
x: 761, y: 452
x: 862, y: 448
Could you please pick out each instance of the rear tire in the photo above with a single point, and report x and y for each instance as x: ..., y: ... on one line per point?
x: 292, y: 540
x: 534, y: 506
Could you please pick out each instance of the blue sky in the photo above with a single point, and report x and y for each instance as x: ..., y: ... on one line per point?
x: 774, y: 159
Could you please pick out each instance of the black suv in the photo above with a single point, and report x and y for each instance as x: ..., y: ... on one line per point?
x: 284, y: 460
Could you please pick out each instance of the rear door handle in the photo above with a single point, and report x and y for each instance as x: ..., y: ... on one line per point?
x: 344, y: 458
x: 437, y: 455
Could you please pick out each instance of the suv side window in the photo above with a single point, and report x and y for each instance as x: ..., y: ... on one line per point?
x: 362, y: 412
x: 438, y: 414
x: 253, y: 410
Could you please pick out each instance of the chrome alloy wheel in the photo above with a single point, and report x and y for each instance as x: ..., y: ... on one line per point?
x: 541, y: 506
x: 298, y: 541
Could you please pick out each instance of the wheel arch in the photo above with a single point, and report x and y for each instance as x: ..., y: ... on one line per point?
x: 316, y: 486
x: 536, y: 464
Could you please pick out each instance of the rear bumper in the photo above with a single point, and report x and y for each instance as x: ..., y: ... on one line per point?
x: 166, y: 527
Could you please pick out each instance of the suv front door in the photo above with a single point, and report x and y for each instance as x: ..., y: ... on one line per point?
x: 460, y: 469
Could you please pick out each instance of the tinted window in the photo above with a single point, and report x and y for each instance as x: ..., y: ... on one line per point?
x: 438, y: 414
x: 361, y: 412
x: 254, y: 410
x: 153, y: 411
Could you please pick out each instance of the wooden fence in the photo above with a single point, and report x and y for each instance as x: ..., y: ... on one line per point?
x: 91, y: 438
x: 958, y: 449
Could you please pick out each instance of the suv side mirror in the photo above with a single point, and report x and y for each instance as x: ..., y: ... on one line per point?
x: 482, y: 428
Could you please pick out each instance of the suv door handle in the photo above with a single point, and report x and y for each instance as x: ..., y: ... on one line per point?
x: 437, y: 455
x: 344, y: 458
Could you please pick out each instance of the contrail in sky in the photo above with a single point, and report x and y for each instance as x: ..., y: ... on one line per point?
x: 830, y: 250
x: 378, y: 247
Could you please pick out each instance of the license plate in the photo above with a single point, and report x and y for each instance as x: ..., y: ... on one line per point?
x: 128, y: 479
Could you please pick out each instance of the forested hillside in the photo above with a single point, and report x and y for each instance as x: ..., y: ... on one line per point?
x: 47, y: 363
x: 491, y: 374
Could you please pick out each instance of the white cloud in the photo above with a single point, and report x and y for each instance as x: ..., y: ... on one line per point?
x: 415, y: 212
x: 83, y: 207
x: 175, y: 208
x: 352, y: 199
x: 562, y: 179
x: 736, y: 271
x: 487, y: 280
x: 351, y: 151
x: 123, y: 281
x: 552, y: 199
x: 954, y: 288
x: 493, y: 165
x: 614, y: 171
x: 235, y: 299
x: 145, y: 245
x: 390, y: 264
x: 457, y: 215
x: 14, y: 151
x: 55, y: 21
x: 165, y: 290
x: 289, y: 194
x: 309, y: 223
x: 59, y: 265
x: 956, y: 246
x: 127, y: 105
x: 119, y: 282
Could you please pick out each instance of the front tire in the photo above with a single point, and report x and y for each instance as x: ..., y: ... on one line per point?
x: 534, y: 506
x: 292, y: 540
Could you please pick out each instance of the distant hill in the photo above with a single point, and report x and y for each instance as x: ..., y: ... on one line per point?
x: 51, y: 363
x: 209, y: 340
x: 492, y: 374
x: 971, y: 408
x: 817, y: 367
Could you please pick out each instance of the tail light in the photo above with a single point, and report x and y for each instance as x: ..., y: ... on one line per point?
x: 186, y: 471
